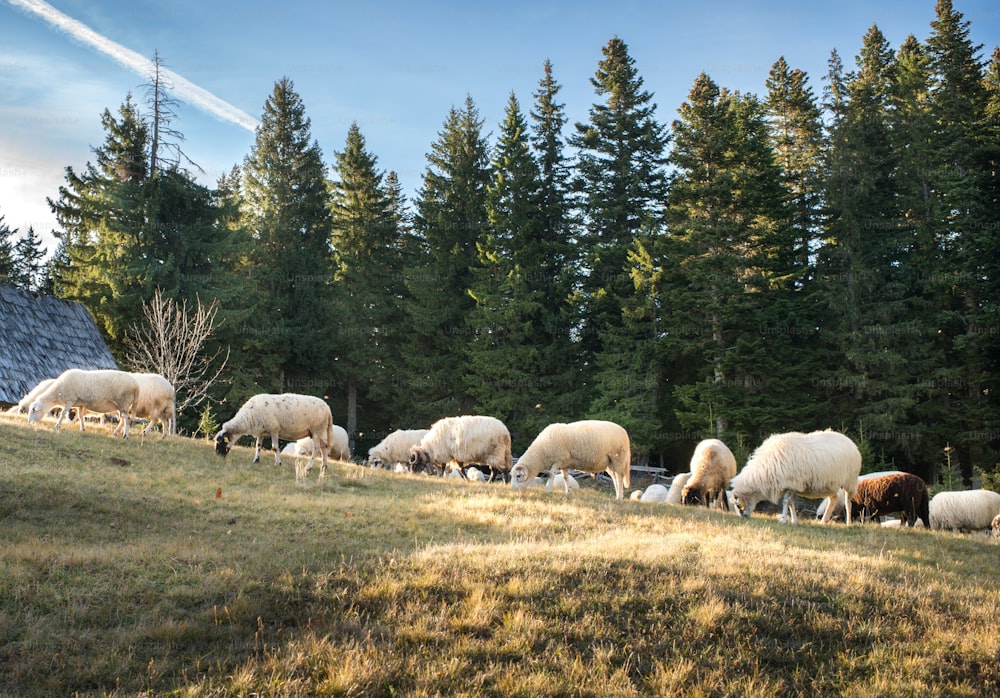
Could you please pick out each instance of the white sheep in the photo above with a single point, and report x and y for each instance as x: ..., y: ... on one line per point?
x: 339, y: 449
x: 654, y: 493
x: 675, y: 493
x: 814, y: 465
x: 102, y: 391
x: 592, y: 446
x: 968, y: 510
x: 561, y: 480
x: 156, y: 403
x: 288, y: 416
x: 713, y: 465
x: 394, y: 448
x: 463, y: 440
x: 25, y: 402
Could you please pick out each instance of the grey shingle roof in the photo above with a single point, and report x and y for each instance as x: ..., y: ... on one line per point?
x: 42, y: 336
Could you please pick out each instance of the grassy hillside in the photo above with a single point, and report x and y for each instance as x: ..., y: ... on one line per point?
x: 122, y: 573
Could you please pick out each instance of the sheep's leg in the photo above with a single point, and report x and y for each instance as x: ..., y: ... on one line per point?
x: 847, y: 504
x: 62, y: 413
x: 276, y: 445
x: 256, y: 453
x: 831, y: 502
x: 788, y: 509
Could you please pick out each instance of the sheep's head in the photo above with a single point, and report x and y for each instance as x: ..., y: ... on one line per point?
x: 520, y: 476
x: 419, y: 459
x: 35, y: 411
x: 744, y: 503
x: 223, y: 443
x: 690, y: 495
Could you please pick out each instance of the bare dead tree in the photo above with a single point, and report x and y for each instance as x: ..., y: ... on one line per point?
x: 169, y: 341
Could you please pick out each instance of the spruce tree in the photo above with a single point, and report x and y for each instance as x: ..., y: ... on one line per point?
x: 621, y: 181
x: 285, y: 211
x: 30, y: 255
x: 450, y: 221
x: 9, y: 271
x: 729, y: 258
x: 369, y: 288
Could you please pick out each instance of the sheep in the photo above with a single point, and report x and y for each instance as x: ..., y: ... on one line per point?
x: 654, y: 493
x: 25, y: 402
x: 463, y: 440
x: 969, y: 510
x: 886, y: 494
x: 813, y: 465
x: 156, y: 403
x: 289, y: 416
x: 838, y: 509
x: 674, y: 494
x: 394, y: 448
x: 591, y: 446
x: 562, y: 480
x: 101, y: 391
x: 712, y: 466
x: 338, y: 449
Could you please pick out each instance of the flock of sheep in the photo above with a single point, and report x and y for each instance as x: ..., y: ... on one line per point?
x: 819, y: 465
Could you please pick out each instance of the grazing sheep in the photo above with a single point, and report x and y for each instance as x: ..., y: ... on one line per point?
x: 474, y: 474
x: 25, y: 402
x: 968, y: 510
x: 814, y: 465
x: 712, y: 467
x: 289, y: 416
x: 592, y: 446
x: 562, y: 480
x: 99, y: 391
x: 675, y: 493
x: 838, y: 509
x: 653, y: 493
x: 338, y: 449
x: 394, y: 448
x: 463, y: 440
x: 902, y: 492
x: 156, y: 403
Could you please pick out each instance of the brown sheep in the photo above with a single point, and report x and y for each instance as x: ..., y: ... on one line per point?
x: 897, y: 492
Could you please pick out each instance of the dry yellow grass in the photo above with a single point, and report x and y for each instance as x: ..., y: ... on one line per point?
x: 123, y: 574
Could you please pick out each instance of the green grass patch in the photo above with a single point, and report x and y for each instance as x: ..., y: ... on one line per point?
x: 122, y: 573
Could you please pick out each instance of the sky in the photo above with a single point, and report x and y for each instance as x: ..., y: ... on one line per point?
x: 395, y: 67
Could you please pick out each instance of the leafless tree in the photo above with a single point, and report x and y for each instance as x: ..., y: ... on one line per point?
x: 169, y: 341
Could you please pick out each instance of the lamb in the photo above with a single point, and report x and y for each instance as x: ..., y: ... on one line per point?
x: 463, y: 440
x: 713, y: 465
x: 394, y: 448
x: 289, y: 416
x: 886, y: 494
x: 101, y: 391
x: 591, y: 446
x: 339, y: 448
x: 674, y: 494
x: 156, y: 403
x: 653, y: 493
x: 814, y: 465
x: 968, y: 510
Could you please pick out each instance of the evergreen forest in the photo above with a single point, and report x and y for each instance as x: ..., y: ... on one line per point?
x: 823, y: 254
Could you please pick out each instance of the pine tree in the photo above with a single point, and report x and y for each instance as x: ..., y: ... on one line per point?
x: 622, y: 183
x: 451, y: 220
x: 30, y: 256
x: 733, y: 253
x: 285, y: 210
x: 369, y: 288
x: 9, y: 272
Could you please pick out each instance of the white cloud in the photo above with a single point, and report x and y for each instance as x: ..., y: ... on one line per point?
x: 184, y: 89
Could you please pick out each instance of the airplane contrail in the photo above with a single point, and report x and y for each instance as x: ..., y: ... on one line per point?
x: 182, y: 87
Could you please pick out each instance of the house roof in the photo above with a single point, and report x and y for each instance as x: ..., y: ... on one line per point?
x: 42, y: 336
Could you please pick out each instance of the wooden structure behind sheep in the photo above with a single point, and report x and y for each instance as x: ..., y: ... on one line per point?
x: 395, y: 448
x: 287, y: 416
x: 592, y: 446
x: 814, y: 465
x: 713, y: 465
x: 887, y: 494
x: 967, y: 510
x: 463, y: 440
x: 103, y: 390
x: 339, y: 448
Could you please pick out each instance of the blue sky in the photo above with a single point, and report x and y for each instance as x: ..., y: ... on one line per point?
x: 395, y: 67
